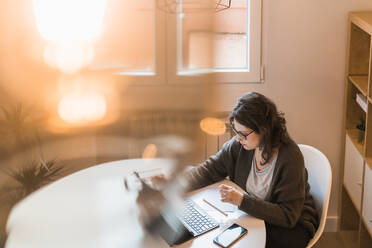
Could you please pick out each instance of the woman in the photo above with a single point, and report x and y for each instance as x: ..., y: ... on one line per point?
x: 264, y: 161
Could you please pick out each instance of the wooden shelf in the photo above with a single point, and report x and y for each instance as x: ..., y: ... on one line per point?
x: 353, y: 201
x: 365, y: 226
x: 361, y: 83
x: 357, y: 154
x: 369, y: 162
x: 362, y: 20
x: 353, y: 135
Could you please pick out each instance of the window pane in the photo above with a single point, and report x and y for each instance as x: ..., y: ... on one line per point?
x: 220, y: 44
x: 127, y: 41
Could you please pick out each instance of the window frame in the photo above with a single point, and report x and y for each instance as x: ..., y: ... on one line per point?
x: 158, y: 75
x: 255, y: 75
x: 167, y: 54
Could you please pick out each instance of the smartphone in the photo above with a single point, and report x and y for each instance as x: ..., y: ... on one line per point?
x: 230, y: 236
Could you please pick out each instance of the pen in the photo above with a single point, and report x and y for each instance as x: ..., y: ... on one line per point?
x: 137, y: 173
x: 213, y: 206
x: 148, y: 170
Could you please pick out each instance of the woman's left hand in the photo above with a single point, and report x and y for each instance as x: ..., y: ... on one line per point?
x: 231, y: 194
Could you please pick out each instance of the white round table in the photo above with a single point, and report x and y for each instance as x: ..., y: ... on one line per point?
x: 91, y: 208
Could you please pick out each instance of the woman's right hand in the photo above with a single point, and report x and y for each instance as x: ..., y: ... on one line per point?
x: 231, y: 194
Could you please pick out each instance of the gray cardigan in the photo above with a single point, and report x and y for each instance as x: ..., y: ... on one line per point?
x: 288, y: 200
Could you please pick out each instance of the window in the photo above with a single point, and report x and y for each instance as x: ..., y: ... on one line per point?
x: 226, y: 42
x: 150, y: 44
x: 132, y: 42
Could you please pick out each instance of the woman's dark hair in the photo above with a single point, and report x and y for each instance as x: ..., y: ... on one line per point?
x: 257, y: 112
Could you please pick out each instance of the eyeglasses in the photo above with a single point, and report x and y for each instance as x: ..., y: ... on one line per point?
x: 242, y: 135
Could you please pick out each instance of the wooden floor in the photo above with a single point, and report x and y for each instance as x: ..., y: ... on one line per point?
x: 330, y: 239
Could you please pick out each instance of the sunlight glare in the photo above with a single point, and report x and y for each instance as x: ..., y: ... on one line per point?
x: 69, y: 26
x: 68, y: 58
x: 82, y: 107
x: 67, y: 21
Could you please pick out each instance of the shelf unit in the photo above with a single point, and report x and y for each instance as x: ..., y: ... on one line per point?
x: 356, y: 173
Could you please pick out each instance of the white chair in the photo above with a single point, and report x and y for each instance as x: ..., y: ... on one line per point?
x: 320, y: 180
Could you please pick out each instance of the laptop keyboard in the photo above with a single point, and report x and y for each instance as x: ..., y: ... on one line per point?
x: 197, y: 219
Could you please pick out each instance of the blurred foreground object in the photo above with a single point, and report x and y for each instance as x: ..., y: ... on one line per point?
x: 159, y: 208
x: 160, y: 215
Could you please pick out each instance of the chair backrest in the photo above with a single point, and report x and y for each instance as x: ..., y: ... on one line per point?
x: 320, y: 180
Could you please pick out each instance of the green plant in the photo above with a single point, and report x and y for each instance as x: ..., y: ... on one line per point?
x: 34, y: 175
x: 19, y: 125
x: 362, y: 125
x: 29, y: 178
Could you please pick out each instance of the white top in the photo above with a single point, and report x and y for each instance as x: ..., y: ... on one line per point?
x: 92, y: 209
x: 258, y: 182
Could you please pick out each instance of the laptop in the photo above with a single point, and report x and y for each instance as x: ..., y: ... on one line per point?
x: 176, y: 229
x: 173, y: 226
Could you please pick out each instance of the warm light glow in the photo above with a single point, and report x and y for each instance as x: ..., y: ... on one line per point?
x: 213, y: 126
x: 82, y: 107
x: 150, y: 151
x: 69, y: 26
x: 67, y: 21
x: 68, y: 58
